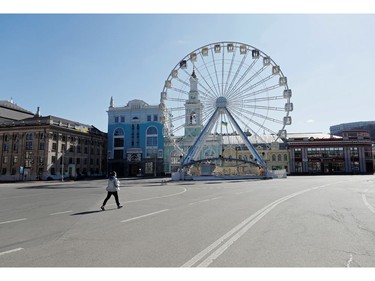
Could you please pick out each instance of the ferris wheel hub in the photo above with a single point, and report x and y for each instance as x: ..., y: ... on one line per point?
x: 221, y: 102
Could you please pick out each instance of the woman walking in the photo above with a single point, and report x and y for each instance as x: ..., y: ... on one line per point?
x: 112, y: 188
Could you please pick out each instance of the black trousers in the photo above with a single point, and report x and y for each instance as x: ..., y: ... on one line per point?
x: 109, y: 194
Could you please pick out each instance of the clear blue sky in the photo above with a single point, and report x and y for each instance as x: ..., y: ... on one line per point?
x: 71, y: 64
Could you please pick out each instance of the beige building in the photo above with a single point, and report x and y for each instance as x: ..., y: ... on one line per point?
x: 50, y: 148
x: 9, y: 111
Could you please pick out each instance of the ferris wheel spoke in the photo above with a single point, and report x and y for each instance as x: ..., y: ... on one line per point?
x: 179, y: 91
x: 173, y: 109
x: 214, y: 64
x: 237, y: 73
x: 229, y: 72
x: 271, y: 108
x: 215, y: 91
x: 264, y: 117
x: 209, y: 92
x: 255, y: 85
x: 176, y: 129
x: 182, y: 81
x: 207, y: 115
x: 261, y: 91
x: 235, y: 91
x: 179, y: 117
x: 244, y: 118
x: 239, y: 81
x: 265, y: 99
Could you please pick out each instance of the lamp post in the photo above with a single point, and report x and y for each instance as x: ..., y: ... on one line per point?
x: 62, y: 166
x: 63, y: 154
x: 237, y: 159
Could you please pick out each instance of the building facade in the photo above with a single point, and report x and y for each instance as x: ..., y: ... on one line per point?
x: 361, y: 125
x: 327, y: 154
x: 135, y: 139
x: 43, y: 148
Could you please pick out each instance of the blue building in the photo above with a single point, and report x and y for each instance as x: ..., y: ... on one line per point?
x: 135, y: 139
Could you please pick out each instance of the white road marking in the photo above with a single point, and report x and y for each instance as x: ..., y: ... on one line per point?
x: 4, y: 222
x: 59, y: 213
x: 368, y: 205
x: 349, y: 261
x: 235, y: 233
x: 202, y: 201
x: 152, y: 198
x: 11, y: 251
x: 147, y: 215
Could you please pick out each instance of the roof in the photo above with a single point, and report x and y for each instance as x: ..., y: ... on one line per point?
x: 11, y: 105
x: 315, y: 135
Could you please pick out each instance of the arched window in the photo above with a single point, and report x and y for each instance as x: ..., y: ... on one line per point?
x: 193, y: 118
x: 151, y: 137
x: 285, y: 157
x: 273, y: 157
x: 152, y: 131
x: 118, y: 132
x: 209, y: 153
x: 279, y: 157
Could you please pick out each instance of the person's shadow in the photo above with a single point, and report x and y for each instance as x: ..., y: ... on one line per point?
x: 91, y: 212
x: 86, y: 213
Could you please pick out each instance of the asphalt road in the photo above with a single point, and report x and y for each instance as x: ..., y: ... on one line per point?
x: 320, y: 221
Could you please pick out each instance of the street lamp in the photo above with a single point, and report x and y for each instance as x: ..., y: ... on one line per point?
x: 63, y: 154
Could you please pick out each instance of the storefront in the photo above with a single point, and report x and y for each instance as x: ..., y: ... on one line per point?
x: 325, y: 154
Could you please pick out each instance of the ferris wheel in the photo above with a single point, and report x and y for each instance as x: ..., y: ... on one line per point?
x: 226, y: 89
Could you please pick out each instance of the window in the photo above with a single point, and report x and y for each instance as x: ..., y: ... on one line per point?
x: 29, y: 146
x: 116, y: 119
x: 298, y: 153
x: 152, y: 137
x: 152, y: 141
x: 29, y: 141
x: 41, y: 146
x: 193, y: 118
x: 152, y: 131
x: 148, y: 118
x: 118, y: 154
x: 122, y: 119
x: 5, y: 159
x: 54, y: 146
x: 118, y: 132
x: 15, y: 159
x: 118, y: 142
x: 5, y: 147
x: 155, y: 118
